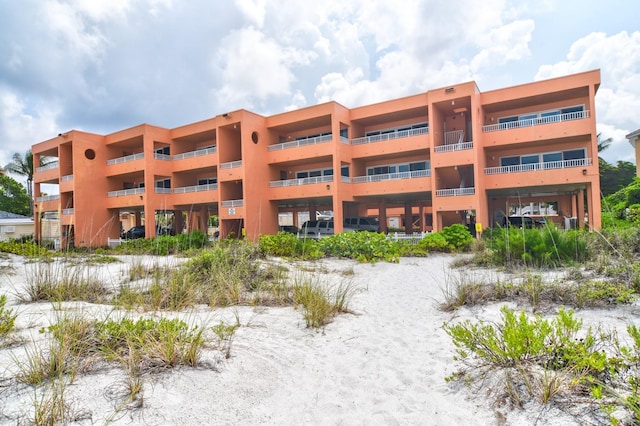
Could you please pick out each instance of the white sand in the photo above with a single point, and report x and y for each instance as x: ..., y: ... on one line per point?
x: 386, y: 364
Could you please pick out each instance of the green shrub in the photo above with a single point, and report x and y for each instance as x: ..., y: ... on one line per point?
x: 457, y: 236
x: 361, y: 246
x: 434, y: 242
x: 7, y: 318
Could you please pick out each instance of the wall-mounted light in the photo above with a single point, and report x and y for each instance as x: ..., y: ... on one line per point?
x: 328, y: 187
x: 225, y: 115
x: 584, y: 172
x: 449, y: 90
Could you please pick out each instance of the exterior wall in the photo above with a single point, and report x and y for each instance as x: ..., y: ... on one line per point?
x: 430, y: 160
x: 13, y: 229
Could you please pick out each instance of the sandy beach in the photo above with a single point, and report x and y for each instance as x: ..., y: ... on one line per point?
x: 385, y: 363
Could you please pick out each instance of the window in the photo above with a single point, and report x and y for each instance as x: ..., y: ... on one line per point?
x: 163, y: 151
x: 574, y: 154
x: 207, y: 181
x: 344, y: 171
x: 163, y: 183
x: 509, y: 161
x: 527, y: 120
x: 550, y: 116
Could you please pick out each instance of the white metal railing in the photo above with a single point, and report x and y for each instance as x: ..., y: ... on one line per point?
x: 231, y: 164
x: 66, y: 178
x: 159, y: 190
x: 125, y: 159
x: 232, y: 203
x: 49, y: 166
x: 392, y: 176
x: 550, y: 165
x: 414, y: 238
x: 300, y: 142
x: 578, y: 115
x: 159, y: 156
x: 195, y: 188
x: 125, y: 192
x: 390, y: 136
x: 454, y: 147
x: 114, y: 242
x: 344, y: 140
x: 67, y: 211
x: 345, y: 179
x: 455, y: 192
x: 48, y: 198
x: 196, y: 153
x: 455, y: 136
x: 301, y: 181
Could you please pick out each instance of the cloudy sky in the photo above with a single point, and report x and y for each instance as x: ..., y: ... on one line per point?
x: 105, y: 65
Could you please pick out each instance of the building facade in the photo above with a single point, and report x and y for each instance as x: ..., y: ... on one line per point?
x: 450, y: 155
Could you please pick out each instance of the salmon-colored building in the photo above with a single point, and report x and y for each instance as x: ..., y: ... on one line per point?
x: 450, y: 155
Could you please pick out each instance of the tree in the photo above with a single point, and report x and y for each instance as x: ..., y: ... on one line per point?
x: 23, y: 166
x: 603, y: 143
x: 13, y: 197
x: 613, y: 178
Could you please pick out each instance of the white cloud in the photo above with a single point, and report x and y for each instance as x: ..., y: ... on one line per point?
x: 19, y: 129
x: 506, y: 43
x: 254, y: 10
x: 618, y: 99
x: 255, y: 67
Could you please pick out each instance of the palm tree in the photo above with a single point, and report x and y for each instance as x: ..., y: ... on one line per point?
x: 603, y: 143
x: 23, y: 166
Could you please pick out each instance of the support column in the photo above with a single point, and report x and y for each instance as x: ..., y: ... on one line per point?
x: 204, y: 219
x: 313, y: 211
x: 138, y: 219
x: 421, y: 216
x: 178, y: 222
x: 580, y: 214
x: 408, y: 218
x: 382, y: 215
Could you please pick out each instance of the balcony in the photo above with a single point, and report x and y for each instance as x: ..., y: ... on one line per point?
x: 231, y: 165
x: 196, y: 153
x: 390, y: 136
x: 392, y: 176
x: 577, y: 115
x: 125, y: 192
x: 66, y: 178
x: 455, y: 192
x: 453, y: 141
x: 233, y: 203
x: 302, y: 142
x: 67, y: 211
x: 48, y: 198
x: 159, y: 190
x: 125, y: 159
x: 298, y: 182
x: 195, y: 188
x: 551, y: 165
x: 159, y: 156
x: 50, y: 166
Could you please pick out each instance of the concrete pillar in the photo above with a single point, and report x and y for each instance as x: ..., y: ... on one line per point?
x: 178, y: 221
x: 421, y: 221
x: 382, y: 215
x: 408, y: 218
x: 204, y: 218
x: 138, y: 217
x: 313, y: 209
x: 580, y: 213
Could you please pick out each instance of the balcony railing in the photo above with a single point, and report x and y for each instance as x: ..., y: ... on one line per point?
x: 390, y: 136
x: 550, y: 165
x: 125, y: 159
x: 454, y: 147
x: 300, y: 142
x: 196, y: 153
x: 455, y: 192
x: 159, y: 190
x: 231, y: 164
x: 392, y: 176
x: 125, y: 192
x: 48, y: 198
x: 301, y: 181
x: 67, y: 211
x: 163, y: 157
x: 578, y: 115
x: 49, y: 166
x: 233, y: 203
x: 195, y: 188
x: 66, y: 178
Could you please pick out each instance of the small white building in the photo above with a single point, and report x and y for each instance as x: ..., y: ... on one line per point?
x: 14, y: 226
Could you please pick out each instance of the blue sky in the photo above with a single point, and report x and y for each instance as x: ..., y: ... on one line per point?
x: 105, y: 65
